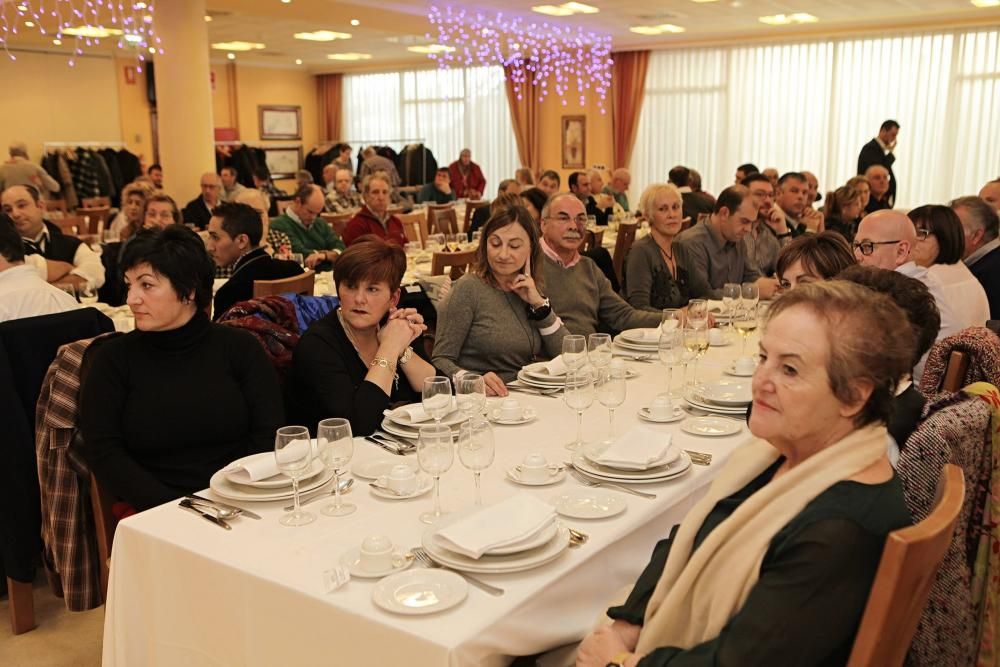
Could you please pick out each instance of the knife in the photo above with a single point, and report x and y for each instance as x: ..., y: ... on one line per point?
x: 245, y: 512
x: 186, y: 504
x: 384, y: 445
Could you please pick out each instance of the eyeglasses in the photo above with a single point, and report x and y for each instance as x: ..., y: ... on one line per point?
x: 868, y: 247
x: 922, y: 234
x: 564, y: 218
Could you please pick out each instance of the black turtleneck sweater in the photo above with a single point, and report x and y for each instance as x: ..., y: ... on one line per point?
x: 162, y: 411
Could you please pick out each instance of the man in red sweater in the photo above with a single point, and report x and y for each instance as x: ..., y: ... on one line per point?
x: 467, y: 178
x: 374, y: 217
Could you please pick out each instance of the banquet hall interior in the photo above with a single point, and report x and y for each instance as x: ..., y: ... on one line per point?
x: 618, y: 332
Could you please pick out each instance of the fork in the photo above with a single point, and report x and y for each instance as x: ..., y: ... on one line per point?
x: 424, y: 559
x: 699, y: 458
x: 618, y: 487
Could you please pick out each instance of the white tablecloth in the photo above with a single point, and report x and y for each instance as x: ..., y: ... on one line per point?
x: 183, y: 591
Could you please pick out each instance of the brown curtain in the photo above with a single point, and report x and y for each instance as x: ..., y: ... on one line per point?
x: 329, y: 91
x: 524, y: 115
x: 628, y: 88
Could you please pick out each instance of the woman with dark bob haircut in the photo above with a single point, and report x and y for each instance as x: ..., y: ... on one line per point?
x: 495, y: 320
x: 166, y: 406
x: 357, y: 361
x: 813, y: 257
x: 940, y: 246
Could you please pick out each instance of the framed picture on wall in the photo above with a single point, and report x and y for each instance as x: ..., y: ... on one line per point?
x: 574, y: 142
x: 283, y: 162
x: 280, y: 122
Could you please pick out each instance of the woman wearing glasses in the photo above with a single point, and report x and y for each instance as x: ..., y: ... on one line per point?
x: 812, y: 257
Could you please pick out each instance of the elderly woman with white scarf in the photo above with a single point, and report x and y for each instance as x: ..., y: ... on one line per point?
x: 774, y: 565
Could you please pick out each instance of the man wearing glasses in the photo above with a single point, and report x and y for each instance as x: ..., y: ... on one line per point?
x: 579, y: 292
x: 763, y: 242
x: 310, y: 234
x: 199, y: 210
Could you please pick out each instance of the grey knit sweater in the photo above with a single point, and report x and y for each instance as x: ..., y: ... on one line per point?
x: 482, y: 328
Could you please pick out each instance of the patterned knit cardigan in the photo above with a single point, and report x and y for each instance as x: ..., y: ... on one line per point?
x: 980, y: 343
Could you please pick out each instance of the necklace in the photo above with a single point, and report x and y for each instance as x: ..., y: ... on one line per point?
x: 349, y: 331
x: 668, y: 257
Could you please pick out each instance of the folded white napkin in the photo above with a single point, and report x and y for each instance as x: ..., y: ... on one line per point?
x: 414, y: 413
x: 556, y: 367
x: 716, y: 306
x: 516, y: 519
x: 638, y: 449
x: 259, y: 466
x: 645, y: 335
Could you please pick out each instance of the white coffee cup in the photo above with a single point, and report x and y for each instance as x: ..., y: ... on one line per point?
x: 376, y: 553
x: 511, y: 410
x: 716, y: 336
x: 745, y: 365
x: 402, y: 479
x: 535, y: 468
x: 661, y: 408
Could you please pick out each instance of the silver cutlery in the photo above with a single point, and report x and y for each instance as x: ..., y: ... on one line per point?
x: 643, y: 358
x: 392, y: 449
x: 402, y: 444
x: 618, y: 487
x: 190, y: 507
x: 345, y: 484
x: 215, y: 503
x: 221, y: 512
x: 698, y: 412
x: 699, y: 458
x: 386, y: 489
x: 549, y: 393
x: 576, y: 538
x: 425, y: 559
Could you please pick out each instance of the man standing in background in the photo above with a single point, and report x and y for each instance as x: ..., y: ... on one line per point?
x: 18, y: 170
x: 879, y: 151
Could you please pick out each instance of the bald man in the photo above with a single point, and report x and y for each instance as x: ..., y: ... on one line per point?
x: 199, y: 210
x: 991, y: 194
x: 881, y: 195
x: 618, y: 187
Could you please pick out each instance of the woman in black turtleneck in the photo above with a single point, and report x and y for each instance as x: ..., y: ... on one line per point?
x: 167, y: 405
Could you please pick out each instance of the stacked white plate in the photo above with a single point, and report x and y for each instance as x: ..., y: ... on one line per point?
x: 675, y: 462
x: 536, y: 375
x: 279, y: 487
x: 728, y: 396
x: 543, y: 548
x: 397, y: 423
x: 639, y: 340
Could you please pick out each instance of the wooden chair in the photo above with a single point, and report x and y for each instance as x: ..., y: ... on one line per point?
x: 283, y: 204
x: 592, y: 238
x: 71, y: 225
x: 337, y: 221
x: 954, y: 374
x: 98, y: 217
x: 903, y: 581
x: 415, y: 227
x: 442, y: 219
x: 470, y: 209
x: 105, y: 523
x: 96, y: 202
x: 52, y: 205
x: 458, y: 261
x: 623, y: 243
x: 302, y: 284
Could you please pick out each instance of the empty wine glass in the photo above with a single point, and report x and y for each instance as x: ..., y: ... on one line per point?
x: 435, y: 454
x: 574, y: 351
x: 599, y: 350
x: 696, y: 343
x: 436, y: 397
x: 470, y: 394
x: 610, y: 390
x: 731, y: 295
x: 750, y: 294
x: 335, y: 444
x: 671, y: 319
x: 697, y: 314
x: 745, y: 321
x: 476, y: 449
x: 578, y: 395
x: 671, y: 351
x: 293, y: 454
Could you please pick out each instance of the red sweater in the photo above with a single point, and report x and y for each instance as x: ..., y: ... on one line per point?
x: 462, y: 184
x: 365, y: 222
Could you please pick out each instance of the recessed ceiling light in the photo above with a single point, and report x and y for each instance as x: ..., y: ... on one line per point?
x: 57, y: 42
x: 286, y: 2
x: 703, y: 1
x: 322, y: 35
x: 298, y: 61
x: 788, y: 19
x: 140, y: 5
x: 152, y: 49
x: 22, y: 7
x: 986, y: 3
x: 231, y: 56
x: 208, y: 19
x: 565, y: 9
x: 238, y: 46
x: 349, y: 56
x: 431, y: 48
x: 29, y: 24
x: 355, y: 22
x: 663, y: 29
x: 90, y: 31
x: 133, y: 39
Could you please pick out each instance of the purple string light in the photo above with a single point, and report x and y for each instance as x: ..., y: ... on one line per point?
x: 532, y: 54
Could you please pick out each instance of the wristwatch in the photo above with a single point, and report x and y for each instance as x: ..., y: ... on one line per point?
x: 403, y: 358
x: 619, y: 660
x: 541, y: 312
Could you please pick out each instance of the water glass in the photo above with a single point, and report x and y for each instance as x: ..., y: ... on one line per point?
x: 599, y: 350
x: 86, y: 294
x: 731, y: 296
x: 578, y: 395
x: 436, y: 397
x: 335, y: 444
x: 610, y: 390
x: 574, y: 351
x: 435, y: 242
x: 293, y: 454
x: 671, y: 351
x: 435, y: 454
x: 671, y: 319
x: 476, y: 449
x: 470, y: 394
x: 697, y: 313
x: 750, y: 294
x: 696, y: 343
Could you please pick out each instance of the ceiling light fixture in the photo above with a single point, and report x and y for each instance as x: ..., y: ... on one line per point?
x: 208, y: 19
x: 788, y: 19
x: 663, y: 29
x: 57, y: 42
x: 93, y: 32
x: 355, y: 22
x: 231, y: 56
x: 238, y: 46
x: 986, y: 3
x: 431, y: 48
x: 140, y: 5
x: 349, y: 56
x: 29, y: 24
x: 298, y: 61
x: 565, y: 9
x: 322, y: 35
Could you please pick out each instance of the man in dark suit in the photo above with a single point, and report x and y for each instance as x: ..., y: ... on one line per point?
x: 234, y: 235
x: 694, y: 203
x: 579, y: 184
x: 879, y: 151
x: 982, y: 246
x: 199, y: 210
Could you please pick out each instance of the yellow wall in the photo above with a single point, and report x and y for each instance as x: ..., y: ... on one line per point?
x: 134, y: 110
x: 598, y: 148
x: 47, y: 100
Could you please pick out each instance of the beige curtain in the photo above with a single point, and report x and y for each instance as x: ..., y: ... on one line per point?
x: 524, y: 114
x: 628, y: 88
x: 329, y: 91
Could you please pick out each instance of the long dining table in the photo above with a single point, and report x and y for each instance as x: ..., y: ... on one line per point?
x: 183, y: 591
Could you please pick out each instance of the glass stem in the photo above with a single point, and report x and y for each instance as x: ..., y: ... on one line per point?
x: 743, y: 350
x: 295, y: 493
x: 479, y: 496
x: 336, y: 488
x: 437, y: 495
x: 694, y: 373
x: 611, y: 412
x: 670, y: 379
x: 579, y: 427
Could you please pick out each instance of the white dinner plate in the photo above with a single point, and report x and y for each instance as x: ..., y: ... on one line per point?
x: 588, y: 504
x: 393, y: 428
x: 398, y: 416
x: 677, y: 416
x: 378, y: 467
x: 279, y: 481
x: 543, y: 537
x: 727, y: 392
x: 675, y: 468
x: 649, y: 336
x: 699, y: 402
x: 420, y: 591
x: 424, y: 484
x: 636, y: 347
x: 351, y: 559
x: 711, y: 426
x: 226, y: 489
x: 671, y: 455
x: 518, y: 562
x: 514, y: 476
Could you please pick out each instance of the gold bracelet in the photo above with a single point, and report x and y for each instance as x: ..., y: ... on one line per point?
x: 383, y: 363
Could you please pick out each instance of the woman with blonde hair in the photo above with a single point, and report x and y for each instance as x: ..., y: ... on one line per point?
x: 655, y: 277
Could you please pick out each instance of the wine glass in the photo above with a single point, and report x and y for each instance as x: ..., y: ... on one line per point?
x: 745, y: 321
x: 610, y: 390
x: 578, y: 395
x: 696, y: 343
x: 436, y: 397
x: 475, y: 449
x: 574, y: 352
x: 435, y: 242
x: 293, y: 454
x: 87, y: 294
x: 671, y: 319
x: 697, y: 314
x: 599, y: 350
x: 671, y: 350
x: 750, y: 294
x: 435, y: 454
x: 731, y: 295
x: 335, y: 444
x: 453, y: 242
x: 470, y: 394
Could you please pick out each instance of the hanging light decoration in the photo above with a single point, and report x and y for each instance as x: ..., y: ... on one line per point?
x: 534, y: 54
x: 88, y: 23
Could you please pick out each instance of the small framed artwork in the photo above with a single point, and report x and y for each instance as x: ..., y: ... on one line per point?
x: 574, y: 142
x: 280, y: 122
x: 283, y: 162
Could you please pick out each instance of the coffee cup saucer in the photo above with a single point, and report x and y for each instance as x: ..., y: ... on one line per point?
x: 424, y: 484
x: 645, y: 415
x: 556, y: 476
x: 527, y: 415
x: 732, y: 370
x: 351, y: 559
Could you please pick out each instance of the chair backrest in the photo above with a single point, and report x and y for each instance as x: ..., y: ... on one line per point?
x: 415, y: 227
x: 458, y: 261
x: 954, y: 373
x: 470, y: 209
x: 282, y: 204
x: 442, y: 219
x: 592, y: 238
x: 337, y: 221
x: 623, y: 243
x: 301, y: 284
x: 95, y: 217
x: 96, y: 202
x: 56, y: 205
x: 71, y: 225
x: 903, y: 581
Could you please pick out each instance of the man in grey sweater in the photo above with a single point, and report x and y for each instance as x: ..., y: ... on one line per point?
x: 580, y: 293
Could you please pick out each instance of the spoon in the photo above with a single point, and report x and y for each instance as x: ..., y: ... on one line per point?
x: 223, y: 513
